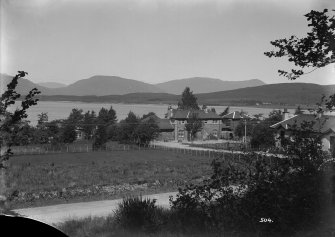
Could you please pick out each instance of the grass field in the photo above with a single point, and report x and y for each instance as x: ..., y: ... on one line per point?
x: 161, y: 170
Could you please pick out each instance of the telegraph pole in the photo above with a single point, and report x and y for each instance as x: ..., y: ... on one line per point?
x: 245, y: 133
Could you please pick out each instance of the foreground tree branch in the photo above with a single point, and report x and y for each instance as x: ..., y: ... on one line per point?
x: 316, y: 50
x: 9, y: 122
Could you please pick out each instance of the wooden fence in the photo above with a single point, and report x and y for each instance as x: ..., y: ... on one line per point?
x: 36, y: 150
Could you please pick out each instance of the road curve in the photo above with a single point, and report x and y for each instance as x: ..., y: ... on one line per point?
x: 53, y: 215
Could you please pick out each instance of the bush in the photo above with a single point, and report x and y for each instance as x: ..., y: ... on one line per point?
x: 90, y: 226
x: 288, y: 194
x: 138, y: 214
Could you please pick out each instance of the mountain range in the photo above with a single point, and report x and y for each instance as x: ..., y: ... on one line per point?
x: 205, y: 85
x: 273, y: 95
x: 112, y: 85
x: 120, y: 90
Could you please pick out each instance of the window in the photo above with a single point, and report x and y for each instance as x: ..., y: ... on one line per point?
x: 215, y: 133
x: 180, y: 133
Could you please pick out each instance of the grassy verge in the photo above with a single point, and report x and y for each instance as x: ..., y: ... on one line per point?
x: 36, y: 180
x: 137, y: 217
x: 134, y: 217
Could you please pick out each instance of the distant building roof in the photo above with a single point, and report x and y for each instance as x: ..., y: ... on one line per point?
x: 163, y: 124
x: 201, y: 114
x: 324, y: 124
x: 236, y: 115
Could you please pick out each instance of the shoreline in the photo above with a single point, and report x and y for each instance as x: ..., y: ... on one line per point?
x: 271, y: 106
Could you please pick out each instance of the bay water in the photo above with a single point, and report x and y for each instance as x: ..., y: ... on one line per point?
x: 62, y: 109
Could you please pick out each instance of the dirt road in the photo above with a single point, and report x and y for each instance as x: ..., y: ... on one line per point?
x: 56, y: 214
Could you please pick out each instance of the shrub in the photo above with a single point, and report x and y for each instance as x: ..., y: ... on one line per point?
x: 138, y: 214
x: 287, y: 193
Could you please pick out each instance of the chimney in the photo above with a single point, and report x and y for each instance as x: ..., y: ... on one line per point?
x: 286, y: 114
x: 320, y: 112
x: 170, y: 111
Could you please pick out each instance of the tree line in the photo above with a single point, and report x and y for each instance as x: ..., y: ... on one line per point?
x: 97, y: 128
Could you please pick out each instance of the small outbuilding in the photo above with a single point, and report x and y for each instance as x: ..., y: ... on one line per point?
x: 322, y: 124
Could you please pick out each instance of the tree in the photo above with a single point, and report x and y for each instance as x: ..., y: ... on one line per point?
x: 24, y: 134
x: 314, y: 51
x: 106, y: 117
x: 146, y: 132
x: 42, y: 119
x: 193, y: 125
x: 188, y: 100
x: 275, y: 116
x: 127, y: 128
x: 72, y: 124
x: 76, y: 117
x: 9, y: 122
x: 89, y: 124
x: 147, y: 115
x: 238, y: 194
x: 298, y: 110
x: 262, y: 136
x: 69, y: 133
x: 100, y: 137
x: 258, y: 116
x: 40, y: 135
x: 225, y: 112
x: 54, y: 129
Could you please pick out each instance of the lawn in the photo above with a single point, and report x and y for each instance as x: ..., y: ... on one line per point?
x: 36, y: 180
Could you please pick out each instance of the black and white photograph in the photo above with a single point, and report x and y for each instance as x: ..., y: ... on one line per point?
x: 167, y: 118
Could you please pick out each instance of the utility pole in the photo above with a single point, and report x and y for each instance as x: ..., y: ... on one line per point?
x: 245, y: 133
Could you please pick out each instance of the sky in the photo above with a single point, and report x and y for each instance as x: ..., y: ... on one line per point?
x: 152, y: 40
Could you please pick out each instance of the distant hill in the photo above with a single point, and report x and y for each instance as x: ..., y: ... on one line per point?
x: 51, y: 84
x: 24, y: 85
x: 205, y: 85
x: 105, y: 85
x: 120, y: 90
x: 282, y: 93
x: 269, y: 95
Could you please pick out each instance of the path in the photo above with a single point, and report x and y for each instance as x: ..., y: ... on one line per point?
x: 56, y: 214
x: 178, y: 145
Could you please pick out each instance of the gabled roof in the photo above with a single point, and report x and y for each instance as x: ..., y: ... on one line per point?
x: 236, y: 115
x: 324, y: 124
x: 201, y: 114
x: 163, y: 124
